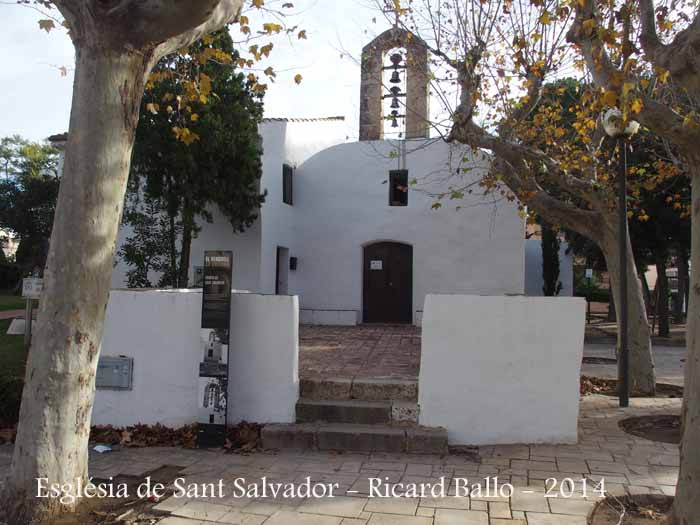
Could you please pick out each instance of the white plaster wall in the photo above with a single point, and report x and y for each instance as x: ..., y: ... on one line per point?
x: 219, y: 235
x: 502, y: 370
x: 264, y: 358
x: 533, y: 269
x: 283, y: 141
x: 292, y: 143
x: 160, y: 329
x: 341, y: 204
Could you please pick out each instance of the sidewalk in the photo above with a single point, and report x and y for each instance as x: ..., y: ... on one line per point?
x: 628, y: 464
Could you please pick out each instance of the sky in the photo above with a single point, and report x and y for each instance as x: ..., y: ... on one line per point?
x: 36, y: 98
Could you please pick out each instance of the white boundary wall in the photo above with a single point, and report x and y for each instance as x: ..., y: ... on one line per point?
x: 160, y: 329
x: 502, y: 370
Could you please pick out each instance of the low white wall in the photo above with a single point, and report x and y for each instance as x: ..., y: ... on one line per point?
x: 160, y: 329
x: 500, y: 370
x: 264, y: 358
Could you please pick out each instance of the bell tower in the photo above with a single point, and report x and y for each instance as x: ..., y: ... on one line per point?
x: 376, y: 58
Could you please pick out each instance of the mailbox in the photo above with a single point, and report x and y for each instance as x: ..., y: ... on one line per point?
x: 114, y: 373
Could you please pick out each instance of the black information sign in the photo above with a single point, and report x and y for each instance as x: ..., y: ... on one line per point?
x: 214, y: 345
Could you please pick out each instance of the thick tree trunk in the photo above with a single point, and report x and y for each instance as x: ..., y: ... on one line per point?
x: 682, y: 296
x: 686, y: 505
x: 54, y: 424
x: 612, y: 314
x: 550, y: 261
x: 187, y: 228
x: 646, y: 291
x: 641, y: 362
x: 662, y: 297
x: 173, y: 250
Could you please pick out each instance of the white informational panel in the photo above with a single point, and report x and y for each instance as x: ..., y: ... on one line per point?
x: 502, y: 370
x: 31, y: 287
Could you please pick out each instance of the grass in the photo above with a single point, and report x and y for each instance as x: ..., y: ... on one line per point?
x: 10, y: 302
x: 12, y: 361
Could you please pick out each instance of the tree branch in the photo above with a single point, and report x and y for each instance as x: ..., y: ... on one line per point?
x: 598, y: 62
x: 225, y: 12
x: 145, y: 25
x: 649, y: 38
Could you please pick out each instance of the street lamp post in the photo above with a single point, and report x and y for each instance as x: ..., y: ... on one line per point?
x: 613, y: 124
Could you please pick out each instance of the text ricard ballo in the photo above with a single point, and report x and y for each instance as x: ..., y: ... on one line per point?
x: 69, y: 493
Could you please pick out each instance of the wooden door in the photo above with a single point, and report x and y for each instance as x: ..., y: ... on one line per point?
x: 388, y: 283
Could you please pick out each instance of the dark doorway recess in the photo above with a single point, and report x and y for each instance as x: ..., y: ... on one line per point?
x: 387, y: 272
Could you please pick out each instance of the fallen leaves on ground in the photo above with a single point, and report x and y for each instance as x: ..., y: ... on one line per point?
x: 243, y: 437
x: 145, y: 436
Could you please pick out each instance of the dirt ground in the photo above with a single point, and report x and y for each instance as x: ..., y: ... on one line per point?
x: 632, y: 510
x: 663, y: 428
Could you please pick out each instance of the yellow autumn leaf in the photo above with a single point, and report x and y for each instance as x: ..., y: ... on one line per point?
x: 204, y: 84
x: 610, y: 99
x: 271, y: 28
x: 258, y: 3
x: 151, y: 108
x: 194, y: 117
x: 626, y: 88
x: 637, y: 105
x: 545, y: 18
x: 47, y: 25
x: 298, y: 78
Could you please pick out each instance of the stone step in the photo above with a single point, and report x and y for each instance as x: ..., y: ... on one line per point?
x: 343, y: 411
x: 356, y: 411
x: 365, y: 389
x: 352, y: 437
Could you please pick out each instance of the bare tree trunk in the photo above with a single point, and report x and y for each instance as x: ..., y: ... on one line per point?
x: 54, y: 426
x: 686, y: 505
x: 641, y: 362
x: 645, y: 290
x: 662, y: 296
x: 612, y: 314
x: 187, y: 228
x: 682, y: 301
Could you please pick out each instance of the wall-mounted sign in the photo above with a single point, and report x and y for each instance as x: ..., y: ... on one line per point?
x: 214, y: 345
x: 375, y: 265
x: 589, y: 273
x: 31, y: 287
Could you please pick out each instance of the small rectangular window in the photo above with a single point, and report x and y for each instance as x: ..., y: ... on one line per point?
x: 398, y: 188
x: 287, y: 184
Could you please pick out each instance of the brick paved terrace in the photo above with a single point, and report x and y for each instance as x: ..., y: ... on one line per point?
x: 366, y: 351
x: 393, y: 351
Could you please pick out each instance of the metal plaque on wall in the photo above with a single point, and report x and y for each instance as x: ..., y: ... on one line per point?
x: 214, y: 346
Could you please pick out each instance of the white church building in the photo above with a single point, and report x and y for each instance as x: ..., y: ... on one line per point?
x: 352, y: 228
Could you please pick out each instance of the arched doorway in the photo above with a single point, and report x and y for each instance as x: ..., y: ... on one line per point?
x: 387, y: 274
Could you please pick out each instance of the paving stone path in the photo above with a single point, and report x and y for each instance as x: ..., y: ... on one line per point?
x: 629, y: 465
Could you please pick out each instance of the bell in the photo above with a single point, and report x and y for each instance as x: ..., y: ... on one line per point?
x: 394, y: 123
x: 396, y: 59
x: 395, y: 103
x: 395, y: 78
x: 395, y: 91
